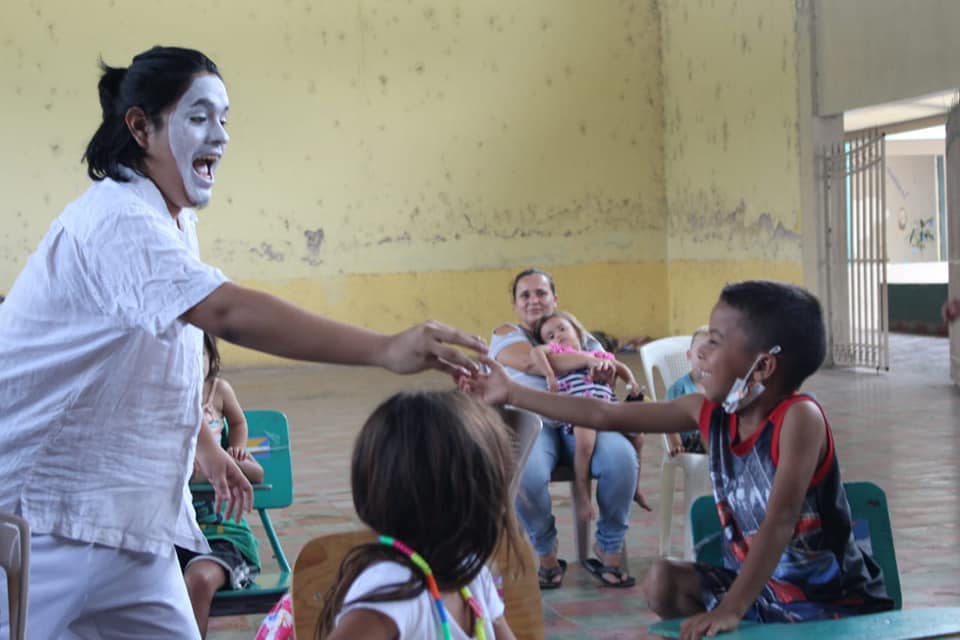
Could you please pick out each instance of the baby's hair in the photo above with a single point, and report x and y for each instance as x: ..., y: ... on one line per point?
x: 213, y: 356
x: 703, y: 330
x: 566, y: 315
x: 431, y: 469
x: 784, y: 315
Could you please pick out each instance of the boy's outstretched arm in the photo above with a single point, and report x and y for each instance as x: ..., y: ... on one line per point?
x: 496, y: 387
x: 802, y: 442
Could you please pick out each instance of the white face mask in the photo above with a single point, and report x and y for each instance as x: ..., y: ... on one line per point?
x: 740, y: 395
x: 198, y: 137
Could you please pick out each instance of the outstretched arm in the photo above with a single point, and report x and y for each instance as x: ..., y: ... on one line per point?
x: 266, y: 323
x: 654, y: 417
x: 802, y: 445
x: 540, y: 356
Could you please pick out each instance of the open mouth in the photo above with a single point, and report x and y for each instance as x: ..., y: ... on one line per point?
x: 204, y: 166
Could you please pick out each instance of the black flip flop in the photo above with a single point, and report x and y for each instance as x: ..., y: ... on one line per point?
x: 547, y: 575
x: 598, y: 570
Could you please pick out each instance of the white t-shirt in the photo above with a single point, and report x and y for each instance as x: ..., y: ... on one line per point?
x: 100, y: 379
x: 418, y: 618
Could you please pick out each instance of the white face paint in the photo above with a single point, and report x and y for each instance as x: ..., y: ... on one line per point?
x: 198, y: 137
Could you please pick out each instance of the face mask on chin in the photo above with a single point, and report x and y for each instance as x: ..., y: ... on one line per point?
x: 740, y: 394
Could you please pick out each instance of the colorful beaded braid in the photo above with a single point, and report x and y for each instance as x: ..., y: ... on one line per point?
x: 418, y: 560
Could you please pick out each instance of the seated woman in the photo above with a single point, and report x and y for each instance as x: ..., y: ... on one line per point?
x: 614, y: 462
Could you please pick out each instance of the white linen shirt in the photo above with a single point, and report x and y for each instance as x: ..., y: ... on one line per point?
x: 100, y: 379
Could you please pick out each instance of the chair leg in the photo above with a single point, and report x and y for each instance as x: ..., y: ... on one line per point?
x: 17, y: 612
x: 667, y: 482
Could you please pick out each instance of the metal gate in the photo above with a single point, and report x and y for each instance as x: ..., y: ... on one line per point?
x: 855, y: 204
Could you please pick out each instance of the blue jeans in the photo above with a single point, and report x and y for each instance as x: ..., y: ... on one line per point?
x: 614, y: 465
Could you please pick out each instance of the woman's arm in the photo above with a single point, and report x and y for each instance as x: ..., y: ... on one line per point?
x: 266, y: 323
x: 802, y: 442
x: 654, y: 417
x: 519, y: 356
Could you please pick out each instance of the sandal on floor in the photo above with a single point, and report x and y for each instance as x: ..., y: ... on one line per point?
x: 600, y: 571
x: 548, y: 575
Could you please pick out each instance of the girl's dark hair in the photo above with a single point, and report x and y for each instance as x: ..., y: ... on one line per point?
x: 431, y: 469
x: 569, y: 317
x: 530, y: 272
x: 213, y: 356
x: 155, y: 79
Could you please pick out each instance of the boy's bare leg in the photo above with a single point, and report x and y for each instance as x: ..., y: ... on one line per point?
x: 637, y: 440
x: 672, y: 589
x: 204, y: 578
x: 584, y: 442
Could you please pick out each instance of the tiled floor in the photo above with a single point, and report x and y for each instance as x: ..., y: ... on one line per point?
x: 900, y: 429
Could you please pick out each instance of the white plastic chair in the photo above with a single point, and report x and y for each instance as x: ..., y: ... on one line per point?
x: 15, y: 561
x: 668, y: 356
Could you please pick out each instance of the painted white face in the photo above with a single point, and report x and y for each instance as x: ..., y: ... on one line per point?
x: 198, y: 137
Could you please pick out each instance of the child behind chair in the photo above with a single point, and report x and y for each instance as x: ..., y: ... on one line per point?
x: 689, y: 441
x: 430, y: 474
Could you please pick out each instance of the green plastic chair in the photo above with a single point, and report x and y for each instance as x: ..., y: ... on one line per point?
x: 868, y: 506
x: 269, y: 443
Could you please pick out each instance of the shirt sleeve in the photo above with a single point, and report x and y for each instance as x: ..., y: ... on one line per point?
x: 145, y: 273
x: 500, y: 342
x: 404, y: 613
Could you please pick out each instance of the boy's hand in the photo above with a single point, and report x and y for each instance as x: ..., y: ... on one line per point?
x: 709, y: 624
x: 492, y: 387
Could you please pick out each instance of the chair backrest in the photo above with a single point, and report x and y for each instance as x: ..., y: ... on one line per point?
x: 525, y: 427
x: 871, y: 520
x: 268, y: 441
x: 668, y: 356
x: 15, y: 562
x: 315, y: 570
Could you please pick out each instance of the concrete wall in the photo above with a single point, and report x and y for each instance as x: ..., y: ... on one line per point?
x: 870, y: 52
x: 389, y: 161
x: 731, y: 149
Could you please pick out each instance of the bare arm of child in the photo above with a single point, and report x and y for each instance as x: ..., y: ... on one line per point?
x: 367, y: 624
x: 266, y: 323
x: 639, y: 417
x: 236, y: 421
x: 540, y: 356
x: 803, y: 443
x: 626, y: 374
x: 502, y: 630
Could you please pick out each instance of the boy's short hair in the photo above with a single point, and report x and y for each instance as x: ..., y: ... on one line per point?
x: 775, y: 313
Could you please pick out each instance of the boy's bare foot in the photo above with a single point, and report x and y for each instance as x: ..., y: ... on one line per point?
x: 640, y: 500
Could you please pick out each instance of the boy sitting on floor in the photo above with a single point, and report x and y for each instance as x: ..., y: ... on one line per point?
x: 789, y: 555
